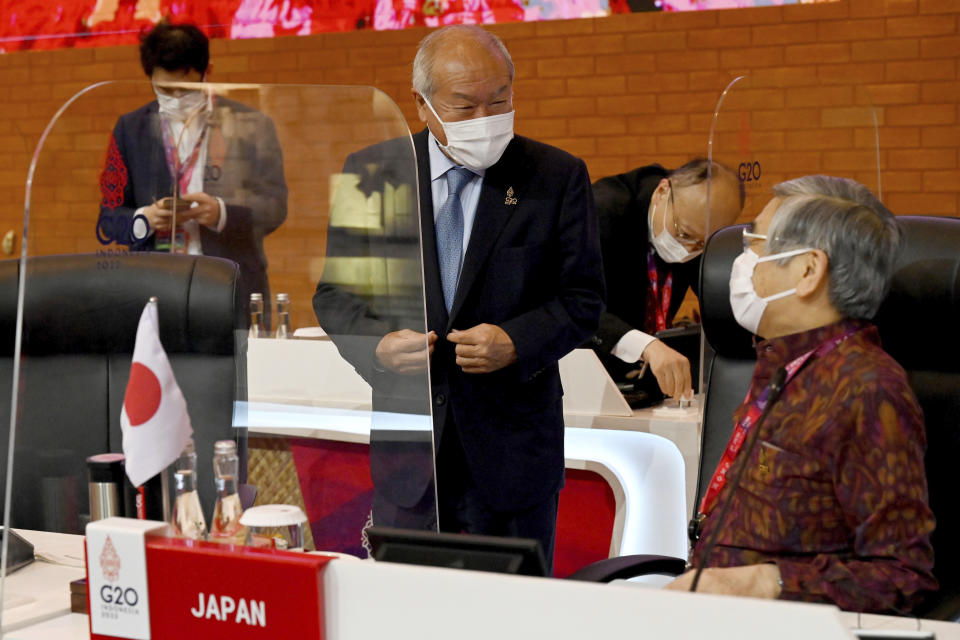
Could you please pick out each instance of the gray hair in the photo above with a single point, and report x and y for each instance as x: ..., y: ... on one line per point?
x: 433, y: 44
x: 860, y: 236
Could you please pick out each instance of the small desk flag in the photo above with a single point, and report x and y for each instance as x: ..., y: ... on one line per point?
x: 154, y: 418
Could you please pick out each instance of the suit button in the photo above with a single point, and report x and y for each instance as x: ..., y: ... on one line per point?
x: 440, y: 399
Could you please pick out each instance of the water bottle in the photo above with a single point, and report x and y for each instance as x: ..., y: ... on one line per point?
x: 187, y: 517
x: 257, y: 329
x: 283, y: 316
x: 225, y: 526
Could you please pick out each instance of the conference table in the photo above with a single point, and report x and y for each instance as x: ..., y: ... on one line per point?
x: 421, y: 602
x: 310, y: 373
x: 648, y: 458
x: 602, y: 436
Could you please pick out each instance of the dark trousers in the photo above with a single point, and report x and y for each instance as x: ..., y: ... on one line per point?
x: 460, y: 507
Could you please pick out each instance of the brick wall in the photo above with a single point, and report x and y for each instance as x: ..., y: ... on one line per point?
x: 619, y: 92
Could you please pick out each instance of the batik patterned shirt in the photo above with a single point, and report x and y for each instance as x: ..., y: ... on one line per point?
x: 835, y: 492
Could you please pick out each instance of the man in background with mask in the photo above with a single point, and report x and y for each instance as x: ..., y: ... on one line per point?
x: 219, y: 159
x: 513, y: 282
x: 654, y: 222
x: 833, y: 505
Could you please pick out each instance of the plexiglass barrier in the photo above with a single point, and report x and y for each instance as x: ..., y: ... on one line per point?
x: 763, y: 133
x: 278, y: 228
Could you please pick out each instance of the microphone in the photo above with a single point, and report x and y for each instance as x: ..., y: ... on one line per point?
x: 777, y: 382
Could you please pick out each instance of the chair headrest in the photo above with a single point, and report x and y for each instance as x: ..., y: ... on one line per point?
x: 924, y: 295
x: 918, y: 319
x: 723, y: 333
x: 72, y: 304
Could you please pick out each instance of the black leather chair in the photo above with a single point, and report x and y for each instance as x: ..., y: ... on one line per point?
x: 920, y: 326
x: 919, y: 322
x: 80, y: 320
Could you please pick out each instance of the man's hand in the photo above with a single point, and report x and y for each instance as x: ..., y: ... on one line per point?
x: 405, y: 351
x: 754, y: 581
x: 205, y: 212
x: 484, y: 348
x: 158, y: 217
x: 671, y: 369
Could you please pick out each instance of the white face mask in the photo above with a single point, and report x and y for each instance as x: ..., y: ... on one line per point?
x: 668, y: 247
x: 479, y: 143
x: 747, y: 305
x: 183, y: 107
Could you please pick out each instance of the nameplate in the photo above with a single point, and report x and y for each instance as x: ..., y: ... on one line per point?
x: 119, y: 602
x: 207, y: 590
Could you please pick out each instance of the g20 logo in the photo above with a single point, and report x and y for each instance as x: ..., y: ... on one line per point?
x: 749, y: 171
x: 119, y: 595
x: 116, y: 227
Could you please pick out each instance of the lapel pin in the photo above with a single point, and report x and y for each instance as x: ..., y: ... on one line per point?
x: 510, y: 199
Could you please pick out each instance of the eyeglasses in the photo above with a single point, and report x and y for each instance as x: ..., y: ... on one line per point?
x: 684, y: 238
x: 749, y: 238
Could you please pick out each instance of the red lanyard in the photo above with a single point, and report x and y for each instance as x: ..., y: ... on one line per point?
x: 661, y: 303
x: 185, y: 172
x: 753, y: 413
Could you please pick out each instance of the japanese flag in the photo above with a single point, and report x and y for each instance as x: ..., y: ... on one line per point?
x: 154, y: 417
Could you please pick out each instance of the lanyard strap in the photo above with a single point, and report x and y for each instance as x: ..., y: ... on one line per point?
x: 661, y: 300
x: 185, y: 172
x: 753, y: 413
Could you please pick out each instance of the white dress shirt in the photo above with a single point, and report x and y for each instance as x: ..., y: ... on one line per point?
x: 187, y: 140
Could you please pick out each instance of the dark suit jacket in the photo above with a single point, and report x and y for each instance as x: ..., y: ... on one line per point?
x: 244, y: 167
x: 532, y: 267
x: 622, y: 203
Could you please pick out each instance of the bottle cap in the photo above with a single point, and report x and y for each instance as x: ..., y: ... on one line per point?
x: 189, y: 447
x: 273, y: 515
x: 224, y: 447
x: 283, y: 297
x: 256, y: 297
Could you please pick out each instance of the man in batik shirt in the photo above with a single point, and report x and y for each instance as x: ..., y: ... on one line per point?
x: 832, y: 506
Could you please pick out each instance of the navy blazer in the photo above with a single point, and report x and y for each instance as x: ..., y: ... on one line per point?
x: 533, y: 268
x: 244, y: 166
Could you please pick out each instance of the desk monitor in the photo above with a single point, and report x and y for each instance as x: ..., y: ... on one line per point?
x: 458, y: 551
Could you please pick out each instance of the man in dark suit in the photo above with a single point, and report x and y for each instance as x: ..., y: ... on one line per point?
x: 225, y: 155
x: 654, y: 222
x: 513, y: 282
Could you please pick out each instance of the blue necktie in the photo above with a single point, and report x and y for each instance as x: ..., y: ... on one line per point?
x: 450, y: 233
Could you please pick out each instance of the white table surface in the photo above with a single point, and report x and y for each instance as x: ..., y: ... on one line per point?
x: 74, y: 626
x: 943, y: 630
x: 70, y: 626
x: 351, y: 610
x: 41, y: 590
x: 679, y: 426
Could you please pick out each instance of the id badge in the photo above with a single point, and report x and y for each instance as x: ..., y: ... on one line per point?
x: 180, y: 241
